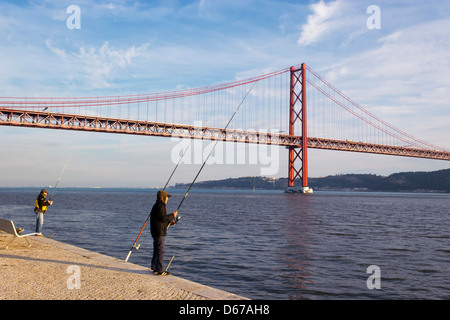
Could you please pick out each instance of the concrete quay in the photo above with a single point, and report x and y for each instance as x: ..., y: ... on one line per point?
x: 52, y: 270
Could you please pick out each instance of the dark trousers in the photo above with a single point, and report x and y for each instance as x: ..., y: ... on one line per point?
x: 159, y: 247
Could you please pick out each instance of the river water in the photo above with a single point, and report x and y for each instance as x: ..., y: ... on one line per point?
x: 267, y: 244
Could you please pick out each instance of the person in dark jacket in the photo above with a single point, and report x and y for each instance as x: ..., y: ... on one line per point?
x: 159, y: 222
x: 40, y: 207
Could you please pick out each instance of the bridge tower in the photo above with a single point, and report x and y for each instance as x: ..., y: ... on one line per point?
x: 298, y: 156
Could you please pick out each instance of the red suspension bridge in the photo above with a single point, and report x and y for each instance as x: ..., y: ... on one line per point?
x: 292, y: 107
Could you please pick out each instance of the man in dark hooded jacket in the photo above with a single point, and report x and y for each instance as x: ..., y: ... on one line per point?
x: 159, y: 221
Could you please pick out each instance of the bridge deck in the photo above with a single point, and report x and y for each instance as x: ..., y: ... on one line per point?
x: 62, y: 121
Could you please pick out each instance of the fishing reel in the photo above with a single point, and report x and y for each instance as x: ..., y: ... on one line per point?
x: 175, y: 221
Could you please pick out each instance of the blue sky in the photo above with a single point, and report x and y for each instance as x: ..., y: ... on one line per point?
x: 398, y: 72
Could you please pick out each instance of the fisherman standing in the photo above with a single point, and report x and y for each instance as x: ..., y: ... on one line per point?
x: 40, y: 207
x: 159, y: 222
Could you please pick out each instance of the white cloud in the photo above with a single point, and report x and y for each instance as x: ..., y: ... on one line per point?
x: 320, y: 22
x: 59, y: 52
x: 391, y: 38
x: 99, y: 65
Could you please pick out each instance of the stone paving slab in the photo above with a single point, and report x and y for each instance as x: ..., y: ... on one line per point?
x: 52, y: 270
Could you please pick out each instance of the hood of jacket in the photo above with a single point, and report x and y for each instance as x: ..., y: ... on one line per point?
x: 163, y: 196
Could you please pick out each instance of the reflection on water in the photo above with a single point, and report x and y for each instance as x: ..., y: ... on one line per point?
x: 298, y: 243
x: 266, y: 245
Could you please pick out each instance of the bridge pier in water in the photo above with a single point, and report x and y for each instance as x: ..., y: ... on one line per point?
x: 298, y: 157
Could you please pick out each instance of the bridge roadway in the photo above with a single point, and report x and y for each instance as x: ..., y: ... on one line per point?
x: 63, y: 121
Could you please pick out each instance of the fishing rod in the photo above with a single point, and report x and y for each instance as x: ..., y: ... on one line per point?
x: 61, y: 174
x: 182, y: 156
x: 169, y: 264
x: 134, y: 246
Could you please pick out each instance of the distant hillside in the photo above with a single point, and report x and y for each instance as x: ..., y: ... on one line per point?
x: 435, y: 181
x: 403, y: 181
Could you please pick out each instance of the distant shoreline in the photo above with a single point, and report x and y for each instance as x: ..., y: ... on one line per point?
x: 419, y: 182
x: 429, y: 182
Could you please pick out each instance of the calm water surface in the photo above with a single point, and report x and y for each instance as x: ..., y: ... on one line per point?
x: 266, y: 245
